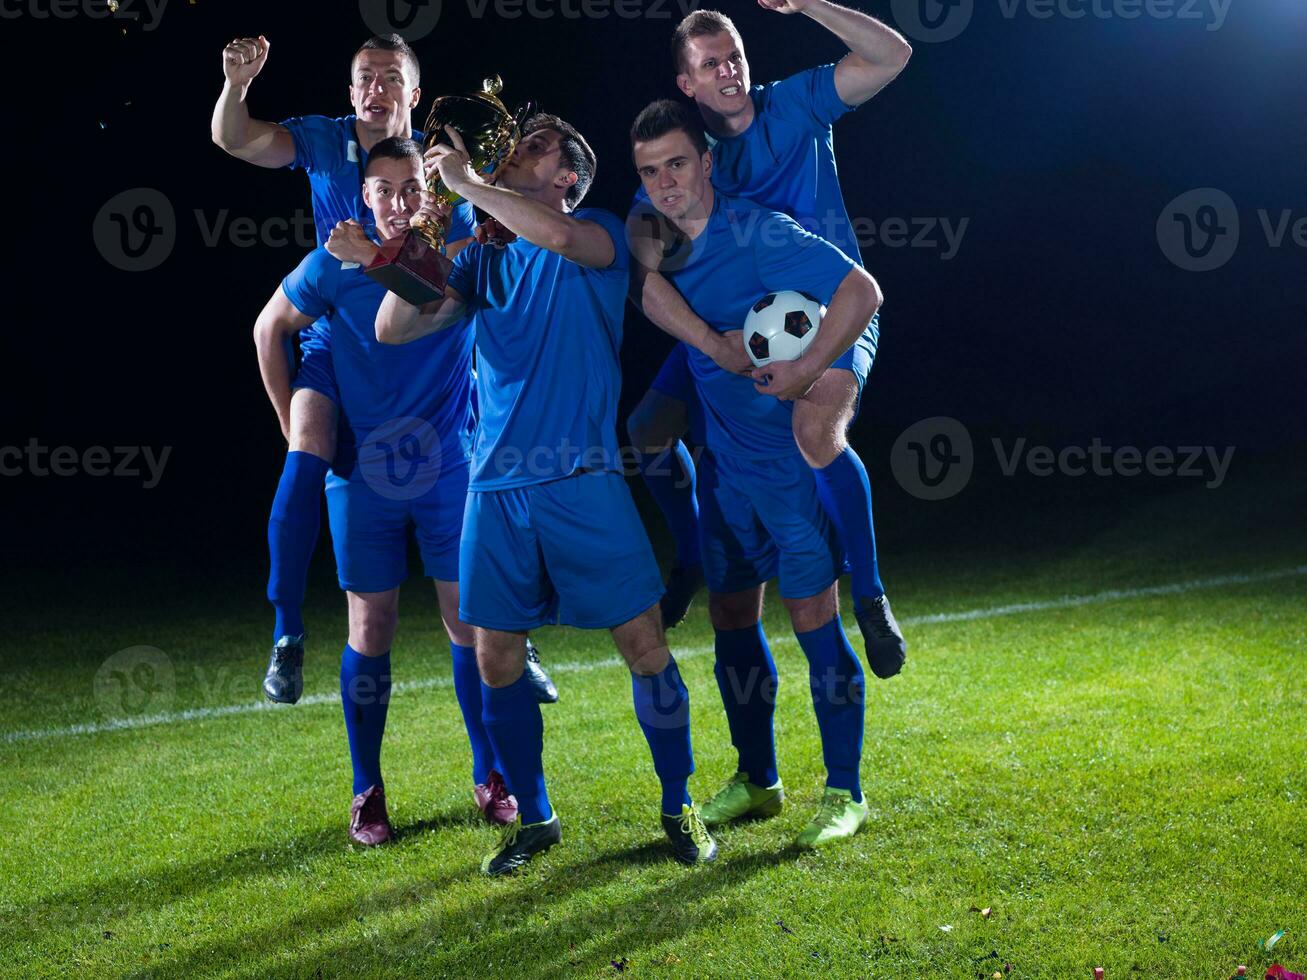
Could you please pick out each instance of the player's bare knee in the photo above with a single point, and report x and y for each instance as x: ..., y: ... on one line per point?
x: 372, y: 621
x: 313, y: 424
x: 501, y: 656
x: 735, y: 610
x: 642, y: 643
x: 813, y: 612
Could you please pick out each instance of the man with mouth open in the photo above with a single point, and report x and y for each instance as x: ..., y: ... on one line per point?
x: 773, y: 145
x: 406, y: 410
x: 384, y: 89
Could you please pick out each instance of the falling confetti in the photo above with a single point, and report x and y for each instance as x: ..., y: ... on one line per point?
x: 113, y: 6
x: 1268, y: 944
x: 1277, y: 972
x: 945, y: 928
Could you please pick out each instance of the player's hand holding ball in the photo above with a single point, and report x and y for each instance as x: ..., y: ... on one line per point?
x: 780, y: 327
x: 350, y: 243
x: 243, y: 59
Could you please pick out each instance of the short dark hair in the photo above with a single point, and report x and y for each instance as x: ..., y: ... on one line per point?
x: 394, y: 148
x: 699, y: 23
x: 390, y: 42
x: 665, y: 116
x: 573, y: 149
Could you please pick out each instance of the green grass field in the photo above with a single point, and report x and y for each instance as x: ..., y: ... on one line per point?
x: 1123, y: 782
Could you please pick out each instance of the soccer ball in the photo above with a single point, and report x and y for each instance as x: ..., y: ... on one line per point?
x: 781, y: 326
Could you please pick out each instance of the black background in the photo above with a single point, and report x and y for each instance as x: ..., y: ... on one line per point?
x: 1059, y: 319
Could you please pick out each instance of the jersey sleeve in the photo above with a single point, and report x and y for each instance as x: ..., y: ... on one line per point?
x: 311, y: 286
x: 809, y: 98
x: 616, y: 229
x: 317, y: 142
x: 788, y: 257
x: 463, y: 276
x: 462, y: 223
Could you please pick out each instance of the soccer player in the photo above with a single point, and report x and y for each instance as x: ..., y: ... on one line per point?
x: 402, y: 460
x: 773, y: 144
x: 551, y: 534
x: 760, y: 510
x: 385, y: 85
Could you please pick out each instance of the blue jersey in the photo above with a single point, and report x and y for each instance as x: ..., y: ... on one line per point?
x: 548, y: 333
x: 745, y: 252
x: 785, y: 160
x: 328, y: 150
x: 429, y: 379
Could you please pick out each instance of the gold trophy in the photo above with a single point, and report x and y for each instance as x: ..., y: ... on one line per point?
x: 413, y: 265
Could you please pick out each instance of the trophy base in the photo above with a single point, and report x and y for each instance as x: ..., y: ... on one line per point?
x: 411, y: 268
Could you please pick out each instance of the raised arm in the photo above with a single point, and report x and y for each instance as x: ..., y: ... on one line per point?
x: 583, y: 242
x: 278, y: 321
x: 851, y: 308
x: 264, y: 144
x: 877, y: 52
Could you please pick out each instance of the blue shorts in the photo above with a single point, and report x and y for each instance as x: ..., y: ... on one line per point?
x: 570, y: 551
x: 369, y: 530
x: 760, y: 520
x: 315, y: 370
x: 860, y: 356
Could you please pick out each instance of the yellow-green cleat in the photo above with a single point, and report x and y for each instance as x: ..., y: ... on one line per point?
x: 837, y: 817
x: 741, y: 798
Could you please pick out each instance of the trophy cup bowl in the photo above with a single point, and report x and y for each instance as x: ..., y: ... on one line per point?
x: 413, y: 265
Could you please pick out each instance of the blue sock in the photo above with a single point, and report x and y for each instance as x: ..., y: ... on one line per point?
x: 365, y: 694
x: 662, y: 705
x: 512, y: 719
x: 845, y: 494
x: 669, y: 475
x: 292, y: 535
x: 467, y: 689
x: 838, y: 699
x: 746, y: 677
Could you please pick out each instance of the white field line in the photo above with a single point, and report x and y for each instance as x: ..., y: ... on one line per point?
x: 681, y: 653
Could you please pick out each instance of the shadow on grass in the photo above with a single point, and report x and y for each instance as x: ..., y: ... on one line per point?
x: 102, y: 900
x: 506, y: 921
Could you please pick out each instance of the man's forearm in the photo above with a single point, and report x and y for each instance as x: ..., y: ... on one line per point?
x: 400, y: 322
x: 231, y: 118
x: 533, y: 220
x: 667, y: 309
x: 871, y: 40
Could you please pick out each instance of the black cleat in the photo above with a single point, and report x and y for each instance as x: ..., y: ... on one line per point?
x: 691, y: 842
x: 886, y: 648
x: 541, y: 683
x: 682, y: 585
x: 518, y: 844
x: 284, y: 681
